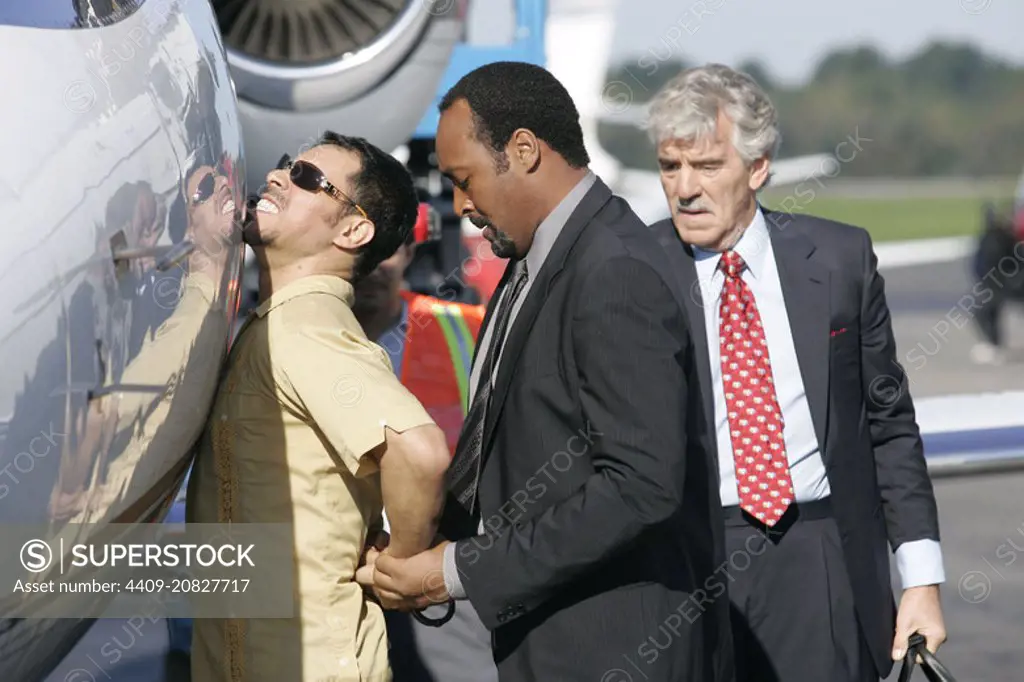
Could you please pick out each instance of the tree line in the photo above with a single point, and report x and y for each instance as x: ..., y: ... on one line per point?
x: 948, y: 110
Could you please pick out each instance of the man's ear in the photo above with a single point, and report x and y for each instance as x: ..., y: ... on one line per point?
x: 759, y: 173
x: 354, y: 232
x: 524, y: 149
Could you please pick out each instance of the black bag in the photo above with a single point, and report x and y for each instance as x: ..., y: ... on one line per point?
x: 934, y: 671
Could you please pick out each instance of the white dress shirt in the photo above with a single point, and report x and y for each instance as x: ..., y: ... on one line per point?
x: 919, y: 562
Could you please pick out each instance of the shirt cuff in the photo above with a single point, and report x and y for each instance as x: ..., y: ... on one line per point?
x: 920, y: 563
x: 451, y: 574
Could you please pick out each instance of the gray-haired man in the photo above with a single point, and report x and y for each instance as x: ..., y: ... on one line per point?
x: 819, y: 455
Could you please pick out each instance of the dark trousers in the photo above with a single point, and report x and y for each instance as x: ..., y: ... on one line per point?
x: 792, y: 607
x: 458, y: 651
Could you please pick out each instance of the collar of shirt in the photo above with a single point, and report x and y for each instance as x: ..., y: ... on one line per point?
x: 752, y: 247
x: 548, y: 231
x: 310, y: 284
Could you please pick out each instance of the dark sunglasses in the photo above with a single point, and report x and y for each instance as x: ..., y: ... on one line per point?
x: 308, y: 177
x: 208, y: 183
x: 204, y: 190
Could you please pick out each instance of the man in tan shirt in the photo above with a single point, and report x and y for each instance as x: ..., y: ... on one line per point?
x: 310, y: 426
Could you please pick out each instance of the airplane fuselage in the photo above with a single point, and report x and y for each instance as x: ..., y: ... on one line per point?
x: 123, y: 201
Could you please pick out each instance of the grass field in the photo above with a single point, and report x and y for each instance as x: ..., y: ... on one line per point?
x: 900, y: 210
x: 896, y: 219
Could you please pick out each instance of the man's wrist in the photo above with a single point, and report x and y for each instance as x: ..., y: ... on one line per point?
x: 921, y: 588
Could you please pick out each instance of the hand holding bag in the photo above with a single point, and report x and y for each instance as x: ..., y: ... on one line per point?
x: 933, y: 669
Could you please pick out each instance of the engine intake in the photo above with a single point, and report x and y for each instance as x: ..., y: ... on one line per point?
x: 362, y: 67
x: 304, y: 31
x: 307, y: 55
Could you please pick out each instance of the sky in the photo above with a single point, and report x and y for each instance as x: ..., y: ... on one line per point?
x: 791, y: 36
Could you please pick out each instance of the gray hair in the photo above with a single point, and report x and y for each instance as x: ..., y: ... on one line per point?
x: 687, y: 108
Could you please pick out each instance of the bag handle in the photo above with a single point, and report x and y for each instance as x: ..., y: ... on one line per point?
x: 932, y: 667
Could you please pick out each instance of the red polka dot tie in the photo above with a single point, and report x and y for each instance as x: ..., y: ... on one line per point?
x: 755, y: 420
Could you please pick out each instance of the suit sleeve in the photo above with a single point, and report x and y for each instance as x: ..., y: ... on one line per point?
x: 629, y: 341
x: 908, y: 499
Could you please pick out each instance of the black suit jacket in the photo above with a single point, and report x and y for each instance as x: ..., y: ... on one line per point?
x: 858, y: 395
x: 602, y: 515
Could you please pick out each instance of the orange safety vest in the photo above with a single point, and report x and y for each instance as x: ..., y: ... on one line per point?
x: 437, y: 357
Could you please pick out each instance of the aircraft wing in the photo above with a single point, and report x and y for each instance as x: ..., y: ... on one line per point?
x: 797, y: 169
x: 972, y: 433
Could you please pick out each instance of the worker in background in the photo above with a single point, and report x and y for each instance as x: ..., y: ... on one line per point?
x: 430, y: 342
x: 1018, y: 209
x: 998, y: 279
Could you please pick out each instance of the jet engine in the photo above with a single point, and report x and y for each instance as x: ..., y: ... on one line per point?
x: 359, y: 67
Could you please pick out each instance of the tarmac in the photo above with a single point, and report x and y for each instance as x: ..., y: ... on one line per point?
x: 982, y: 518
x: 933, y: 307
x: 982, y: 526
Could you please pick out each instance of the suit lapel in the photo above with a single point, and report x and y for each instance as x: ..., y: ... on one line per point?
x: 805, y: 290
x: 519, y: 331
x: 685, y: 269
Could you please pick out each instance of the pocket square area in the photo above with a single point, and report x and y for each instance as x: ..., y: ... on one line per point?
x: 837, y: 332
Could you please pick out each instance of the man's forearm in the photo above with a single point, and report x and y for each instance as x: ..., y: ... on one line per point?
x: 412, y: 484
x: 414, y: 510
x: 908, y: 499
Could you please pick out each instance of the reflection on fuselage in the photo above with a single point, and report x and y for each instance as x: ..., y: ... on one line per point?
x: 120, y: 271
x: 168, y: 381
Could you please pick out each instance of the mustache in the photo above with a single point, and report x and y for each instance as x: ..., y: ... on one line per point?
x: 694, y: 205
x: 276, y: 197
x: 271, y: 193
x: 480, y: 222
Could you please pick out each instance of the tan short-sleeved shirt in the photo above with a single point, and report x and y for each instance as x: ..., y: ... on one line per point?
x: 304, y: 398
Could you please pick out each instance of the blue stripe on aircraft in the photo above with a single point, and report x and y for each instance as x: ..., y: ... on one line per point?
x: 975, y: 441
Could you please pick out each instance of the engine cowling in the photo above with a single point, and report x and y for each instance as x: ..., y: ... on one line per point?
x: 359, y: 67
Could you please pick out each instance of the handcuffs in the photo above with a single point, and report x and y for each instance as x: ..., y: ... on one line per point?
x: 435, y: 622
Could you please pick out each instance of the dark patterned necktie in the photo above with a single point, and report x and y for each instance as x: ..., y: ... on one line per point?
x: 464, y: 470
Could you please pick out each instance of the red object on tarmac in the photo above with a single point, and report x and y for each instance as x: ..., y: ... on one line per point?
x: 428, y: 224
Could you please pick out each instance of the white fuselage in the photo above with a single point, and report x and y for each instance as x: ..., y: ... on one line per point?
x: 108, y: 370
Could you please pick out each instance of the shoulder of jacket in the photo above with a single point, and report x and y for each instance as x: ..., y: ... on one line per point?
x: 815, y: 226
